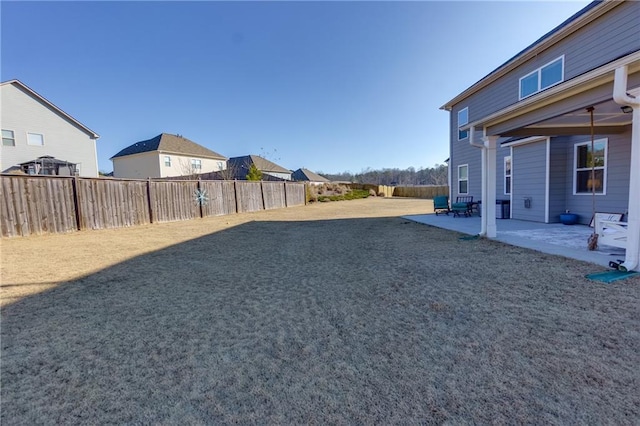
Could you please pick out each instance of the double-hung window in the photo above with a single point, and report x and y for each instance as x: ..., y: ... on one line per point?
x: 542, y: 78
x: 585, y: 159
x: 463, y: 119
x: 463, y: 179
x: 167, y: 161
x: 196, y: 164
x: 507, y: 175
x: 36, y: 139
x: 8, y: 138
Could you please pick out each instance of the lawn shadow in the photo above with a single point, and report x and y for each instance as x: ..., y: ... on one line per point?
x: 335, y: 321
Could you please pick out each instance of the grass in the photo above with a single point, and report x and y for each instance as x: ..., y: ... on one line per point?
x: 367, y: 321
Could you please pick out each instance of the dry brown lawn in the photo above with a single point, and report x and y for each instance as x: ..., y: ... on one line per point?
x: 330, y: 313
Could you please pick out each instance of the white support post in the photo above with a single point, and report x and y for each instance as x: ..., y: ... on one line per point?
x: 483, y: 193
x: 490, y: 143
x: 632, y: 258
x: 632, y: 99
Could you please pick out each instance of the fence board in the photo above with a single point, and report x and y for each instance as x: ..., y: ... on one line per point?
x: 52, y: 204
x: 296, y: 194
x: 249, y: 196
x: 274, y: 195
x: 36, y: 205
x: 221, y: 198
x: 174, y: 200
x: 107, y: 203
x: 420, y: 191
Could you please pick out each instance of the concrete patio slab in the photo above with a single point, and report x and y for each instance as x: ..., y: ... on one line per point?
x: 553, y: 238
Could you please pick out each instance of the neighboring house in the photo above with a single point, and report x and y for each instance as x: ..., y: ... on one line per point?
x: 304, y: 175
x: 165, y: 156
x: 35, y: 131
x: 523, y: 132
x: 239, y: 167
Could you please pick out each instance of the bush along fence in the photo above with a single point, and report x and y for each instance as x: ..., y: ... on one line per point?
x: 53, y: 204
x: 423, y: 191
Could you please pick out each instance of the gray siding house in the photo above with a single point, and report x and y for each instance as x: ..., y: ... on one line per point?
x: 524, y: 132
x: 39, y: 138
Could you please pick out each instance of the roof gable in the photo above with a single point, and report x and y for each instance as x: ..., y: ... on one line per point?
x: 579, y: 19
x: 26, y: 89
x: 305, y: 174
x: 261, y: 164
x: 173, y: 144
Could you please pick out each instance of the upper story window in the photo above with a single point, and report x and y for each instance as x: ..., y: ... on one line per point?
x: 463, y: 119
x: 36, y: 139
x: 584, y: 159
x: 8, y: 138
x: 196, y: 164
x: 167, y: 161
x: 542, y: 78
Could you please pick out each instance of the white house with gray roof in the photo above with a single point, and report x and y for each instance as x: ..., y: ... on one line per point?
x: 165, y: 156
x: 38, y: 137
x: 523, y: 133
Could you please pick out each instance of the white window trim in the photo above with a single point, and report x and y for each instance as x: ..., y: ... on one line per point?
x: 504, y: 180
x: 196, y: 164
x: 463, y: 180
x: 34, y: 133
x: 462, y: 124
x: 604, y: 168
x: 167, y: 159
x: 539, y: 72
x: 13, y: 137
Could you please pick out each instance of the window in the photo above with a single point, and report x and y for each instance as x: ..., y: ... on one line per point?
x: 542, y: 78
x: 584, y: 158
x: 463, y: 119
x: 36, y: 139
x: 167, y: 161
x: 507, y: 175
x: 463, y: 179
x: 8, y: 138
x: 196, y: 164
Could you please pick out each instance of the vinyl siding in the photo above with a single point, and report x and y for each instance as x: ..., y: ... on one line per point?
x: 151, y: 164
x: 138, y: 166
x: 463, y: 153
x: 607, y: 38
x: 557, y: 178
x: 618, y: 167
x: 529, y: 180
x: 23, y: 114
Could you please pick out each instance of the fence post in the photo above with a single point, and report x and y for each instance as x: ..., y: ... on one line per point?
x: 264, y: 206
x: 149, y: 203
x: 199, y: 200
x: 286, y: 203
x: 235, y: 190
x: 76, y: 202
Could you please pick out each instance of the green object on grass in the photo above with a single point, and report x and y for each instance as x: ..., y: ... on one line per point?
x: 611, y: 276
x: 470, y: 237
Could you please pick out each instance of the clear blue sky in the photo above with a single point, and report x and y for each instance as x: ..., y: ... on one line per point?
x: 330, y: 86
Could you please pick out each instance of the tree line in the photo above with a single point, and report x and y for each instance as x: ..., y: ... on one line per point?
x: 436, y: 175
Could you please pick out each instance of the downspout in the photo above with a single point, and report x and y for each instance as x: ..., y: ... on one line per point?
x: 621, y: 97
x: 483, y: 162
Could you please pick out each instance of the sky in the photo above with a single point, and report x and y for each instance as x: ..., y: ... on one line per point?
x: 329, y: 86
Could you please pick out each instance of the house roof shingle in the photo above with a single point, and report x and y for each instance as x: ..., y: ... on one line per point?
x: 307, y: 175
x: 173, y: 144
x: 261, y: 164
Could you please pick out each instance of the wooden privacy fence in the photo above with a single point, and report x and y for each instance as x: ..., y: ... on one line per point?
x: 53, y: 204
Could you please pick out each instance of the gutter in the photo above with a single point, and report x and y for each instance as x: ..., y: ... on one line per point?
x: 621, y: 97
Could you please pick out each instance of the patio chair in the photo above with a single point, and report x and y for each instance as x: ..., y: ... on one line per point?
x: 462, y: 205
x: 441, y: 204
